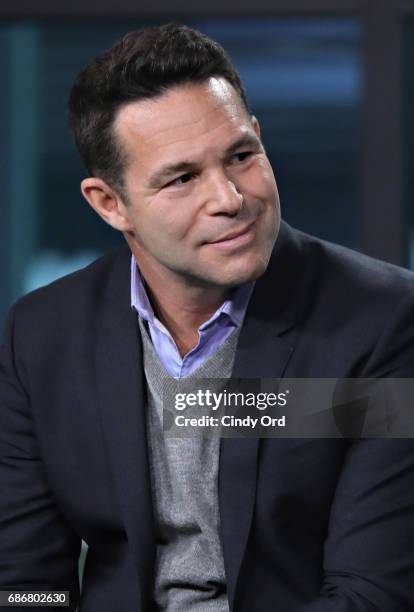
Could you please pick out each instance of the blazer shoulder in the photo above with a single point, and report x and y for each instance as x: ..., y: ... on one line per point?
x: 350, y: 273
x: 354, y: 308
x: 76, y: 292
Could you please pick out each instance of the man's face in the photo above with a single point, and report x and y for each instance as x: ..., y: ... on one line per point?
x: 203, y: 206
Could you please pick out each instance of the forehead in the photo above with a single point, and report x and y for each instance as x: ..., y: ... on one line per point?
x: 189, y: 119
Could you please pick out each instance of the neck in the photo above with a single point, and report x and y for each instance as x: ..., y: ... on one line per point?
x: 181, y: 307
x: 183, y: 314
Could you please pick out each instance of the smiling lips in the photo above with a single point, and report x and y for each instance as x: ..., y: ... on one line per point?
x: 235, y: 236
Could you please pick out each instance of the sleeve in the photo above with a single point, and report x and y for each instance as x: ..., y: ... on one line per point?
x: 369, y: 552
x: 369, y: 549
x: 38, y: 548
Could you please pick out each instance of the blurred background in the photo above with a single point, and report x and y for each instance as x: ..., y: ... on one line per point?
x: 331, y: 82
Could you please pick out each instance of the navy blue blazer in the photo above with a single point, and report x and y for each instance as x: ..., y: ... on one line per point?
x: 307, y: 525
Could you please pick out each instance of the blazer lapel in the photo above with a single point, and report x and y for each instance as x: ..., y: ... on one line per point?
x: 265, y: 346
x: 121, y: 388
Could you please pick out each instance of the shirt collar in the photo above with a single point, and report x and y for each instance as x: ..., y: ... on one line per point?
x: 234, y: 308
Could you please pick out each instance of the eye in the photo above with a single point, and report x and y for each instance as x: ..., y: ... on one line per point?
x: 181, y: 180
x: 242, y: 156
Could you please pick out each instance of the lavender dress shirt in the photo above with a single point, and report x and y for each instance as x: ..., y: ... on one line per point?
x: 212, y: 333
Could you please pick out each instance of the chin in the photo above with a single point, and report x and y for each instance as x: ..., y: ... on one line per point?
x: 240, y: 274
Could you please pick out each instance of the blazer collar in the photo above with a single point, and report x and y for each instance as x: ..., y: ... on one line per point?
x: 266, y: 344
x: 122, y: 393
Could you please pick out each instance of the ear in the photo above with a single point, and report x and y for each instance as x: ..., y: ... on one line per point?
x: 256, y: 126
x: 106, y: 202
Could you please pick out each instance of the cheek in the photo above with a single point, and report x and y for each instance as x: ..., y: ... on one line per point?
x: 268, y: 178
x: 260, y: 184
x: 177, y: 218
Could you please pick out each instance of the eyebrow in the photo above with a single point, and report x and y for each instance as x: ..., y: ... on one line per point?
x: 158, y: 178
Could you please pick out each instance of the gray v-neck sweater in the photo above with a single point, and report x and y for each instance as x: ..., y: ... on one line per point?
x: 189, y: 573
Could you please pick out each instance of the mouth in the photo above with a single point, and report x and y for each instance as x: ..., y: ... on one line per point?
x: 240, y: 236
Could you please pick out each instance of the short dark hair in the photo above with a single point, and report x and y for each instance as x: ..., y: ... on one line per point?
x: 143, y: 64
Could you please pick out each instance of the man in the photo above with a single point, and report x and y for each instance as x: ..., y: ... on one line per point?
x: 218, y: 287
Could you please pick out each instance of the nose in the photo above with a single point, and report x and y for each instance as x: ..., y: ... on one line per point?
x: 223, y: 196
